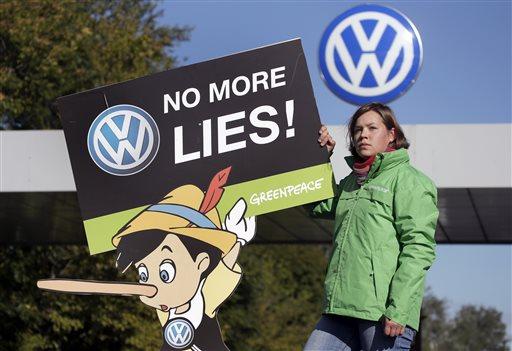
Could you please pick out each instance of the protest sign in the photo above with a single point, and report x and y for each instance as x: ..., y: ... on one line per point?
x: 252, y: 114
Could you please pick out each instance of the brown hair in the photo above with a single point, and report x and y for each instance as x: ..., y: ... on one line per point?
x: 389, y: 120
x: 134, y: 247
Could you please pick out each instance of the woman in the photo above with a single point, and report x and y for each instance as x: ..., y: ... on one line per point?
x: 385, y: 217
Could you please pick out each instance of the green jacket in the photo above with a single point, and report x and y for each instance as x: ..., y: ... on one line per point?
x: 383, y: 241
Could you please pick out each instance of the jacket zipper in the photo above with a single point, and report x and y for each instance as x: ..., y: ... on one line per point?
x: 351, y: 211
x: 336, y: 281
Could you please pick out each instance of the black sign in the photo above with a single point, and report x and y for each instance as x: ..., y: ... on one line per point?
x: 131, y: 143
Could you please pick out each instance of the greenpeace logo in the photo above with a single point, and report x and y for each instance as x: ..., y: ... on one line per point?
x: 286, y: 191
x: 378, y: 188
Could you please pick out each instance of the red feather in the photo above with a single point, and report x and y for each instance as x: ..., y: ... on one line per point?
x: 215, y: 190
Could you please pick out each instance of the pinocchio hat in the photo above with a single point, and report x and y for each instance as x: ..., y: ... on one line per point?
x: 178, y: 213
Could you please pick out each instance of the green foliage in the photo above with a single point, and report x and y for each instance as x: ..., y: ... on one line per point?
x: 434, y: 322
x: 274, y: 308
x: 279, y: 299
x: 472, y: 328
x: 478, y: 328
x: 53, y: 48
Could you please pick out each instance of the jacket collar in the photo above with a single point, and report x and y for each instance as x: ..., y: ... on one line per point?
x: 384, y: 160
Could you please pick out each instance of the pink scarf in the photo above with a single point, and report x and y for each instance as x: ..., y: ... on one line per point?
x: 362, y: 166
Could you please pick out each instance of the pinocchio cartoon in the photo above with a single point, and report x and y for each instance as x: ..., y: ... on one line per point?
x: 186, y: 260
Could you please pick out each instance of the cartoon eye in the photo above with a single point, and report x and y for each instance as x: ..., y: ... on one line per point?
x: 167, y: 271
x: 143, y: 274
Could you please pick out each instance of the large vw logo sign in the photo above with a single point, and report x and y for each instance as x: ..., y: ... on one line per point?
x: 123, y: 140
x: 370, y: 53
x: 179, y: 333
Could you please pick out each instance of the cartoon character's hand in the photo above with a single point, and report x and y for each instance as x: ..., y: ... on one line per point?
x: 244, y: 228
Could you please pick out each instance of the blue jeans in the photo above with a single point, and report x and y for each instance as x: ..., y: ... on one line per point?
x: 339, y: 333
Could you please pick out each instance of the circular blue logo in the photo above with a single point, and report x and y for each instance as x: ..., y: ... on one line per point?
x: 123, y: 140
x: 179, y: 333
x: 370, y: 53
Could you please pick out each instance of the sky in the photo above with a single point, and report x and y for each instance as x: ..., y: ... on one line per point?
x: 465, y: 78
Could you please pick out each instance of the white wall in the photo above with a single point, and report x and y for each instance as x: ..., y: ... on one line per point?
x: 34, y: 160
x: 453, y: 155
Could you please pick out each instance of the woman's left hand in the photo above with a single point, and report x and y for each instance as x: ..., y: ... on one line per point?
x: 392, y: 328
x: 325, y: 139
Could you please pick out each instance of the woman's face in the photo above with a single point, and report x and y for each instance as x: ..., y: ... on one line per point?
x: 371, y: 135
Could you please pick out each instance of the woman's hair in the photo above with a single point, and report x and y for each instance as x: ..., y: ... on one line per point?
x: 134, y: 247
x: 389, y: 120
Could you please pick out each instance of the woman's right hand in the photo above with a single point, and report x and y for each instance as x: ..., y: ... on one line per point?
x: 325, y: 139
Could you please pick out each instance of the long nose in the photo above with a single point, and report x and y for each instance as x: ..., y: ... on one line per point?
x: 88, y: 287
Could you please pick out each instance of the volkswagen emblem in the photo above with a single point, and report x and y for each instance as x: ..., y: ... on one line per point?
x: 178, y: 333
x: 370, y: 53
x: 123, y: 140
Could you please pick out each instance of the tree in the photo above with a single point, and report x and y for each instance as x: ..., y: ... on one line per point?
x: 434, y: 323
x: 477, y: 328
x: 279, y: 299
x: 54, y: 48
x: 472, y: 328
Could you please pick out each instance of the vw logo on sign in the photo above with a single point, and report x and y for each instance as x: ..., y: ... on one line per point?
x: 123, y: 140
x: 370, y: 53
x: 179, y: 333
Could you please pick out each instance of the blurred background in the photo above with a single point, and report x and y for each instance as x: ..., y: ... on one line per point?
x: 457, y: 117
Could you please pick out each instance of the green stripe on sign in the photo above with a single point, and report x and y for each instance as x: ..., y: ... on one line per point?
x: 100, y: 230
x: 262, y: 196
x: 281, y: 191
